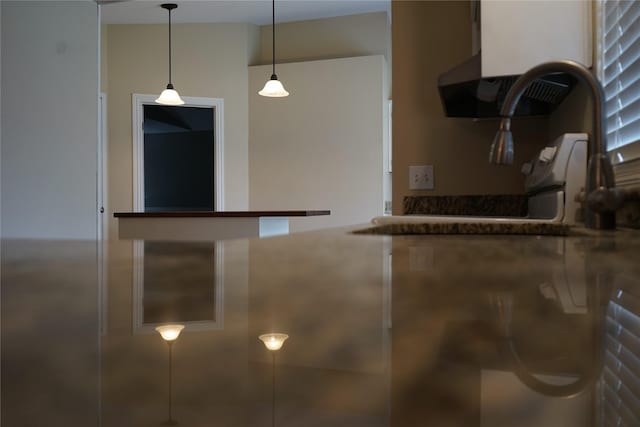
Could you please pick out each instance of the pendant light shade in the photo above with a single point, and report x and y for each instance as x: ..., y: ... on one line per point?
x: 273, y: 87
x: 169, y: 96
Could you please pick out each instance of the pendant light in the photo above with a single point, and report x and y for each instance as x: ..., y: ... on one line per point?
x: 169, y: 96
x: 273, y: 88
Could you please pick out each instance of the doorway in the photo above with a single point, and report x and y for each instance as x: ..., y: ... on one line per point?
x: 178, y: 155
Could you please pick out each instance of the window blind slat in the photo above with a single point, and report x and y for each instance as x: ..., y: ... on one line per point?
x: 618, y: 22
x: 620, y: 82
x: 630, y: 50
x: 621, y: 100
x: 629, y: 13
x: 629, y: 134
x: 625, y: 50
x: 620, y: 134
x: 619, y: 408
x: 614, y: 10
x: 620, y: 54
x: 626, y: 114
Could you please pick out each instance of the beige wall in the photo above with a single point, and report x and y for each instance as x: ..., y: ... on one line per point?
x: 209, y: 60
x: 340, y: 37
x: 430, y: 38
x: 575, y: 114
x: 321, y: 147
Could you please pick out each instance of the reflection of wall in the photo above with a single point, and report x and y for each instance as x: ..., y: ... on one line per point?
x: 49, y: 128
x: 334, y: 365
x: 321, y: 147
x: 179, y: 293
x: 332, y: 310
x: 209, y: 60
x: 209, y: 366
x: 425, y: 44
x: 49, y: 334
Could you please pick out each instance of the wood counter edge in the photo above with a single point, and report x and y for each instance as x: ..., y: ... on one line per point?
x: 220, y: 214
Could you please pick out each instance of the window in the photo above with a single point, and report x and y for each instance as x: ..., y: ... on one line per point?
x: 619, y: 70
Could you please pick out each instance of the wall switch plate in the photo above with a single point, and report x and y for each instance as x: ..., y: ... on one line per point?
x: 421, y: 177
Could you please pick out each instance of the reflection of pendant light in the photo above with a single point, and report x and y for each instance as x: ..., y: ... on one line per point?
x: 273, y: 88
x: 170, y: 333
x: 273, y: 342
x: 169, y: 96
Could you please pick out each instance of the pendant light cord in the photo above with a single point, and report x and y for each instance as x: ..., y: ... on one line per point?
x: 273, y: 34
x: 169, y: 46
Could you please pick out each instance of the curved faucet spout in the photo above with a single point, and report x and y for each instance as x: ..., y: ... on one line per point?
x: 599, y: 170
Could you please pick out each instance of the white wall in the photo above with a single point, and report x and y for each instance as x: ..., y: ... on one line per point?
x: 0, y: 118
x: 49, y: 118
x: 321, y: 147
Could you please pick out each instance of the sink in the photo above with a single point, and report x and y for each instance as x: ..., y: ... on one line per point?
x: 552, y: 180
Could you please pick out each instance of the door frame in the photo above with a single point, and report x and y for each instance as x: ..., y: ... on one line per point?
x: 138, y: 103
x: 103, y: 174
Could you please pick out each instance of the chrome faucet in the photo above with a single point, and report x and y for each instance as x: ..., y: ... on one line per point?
x: 601, y: 196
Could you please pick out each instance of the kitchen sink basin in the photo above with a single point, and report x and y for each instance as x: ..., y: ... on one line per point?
x: 553, y: 179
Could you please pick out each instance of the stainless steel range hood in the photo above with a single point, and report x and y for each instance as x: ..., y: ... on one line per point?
x: 465, y: 93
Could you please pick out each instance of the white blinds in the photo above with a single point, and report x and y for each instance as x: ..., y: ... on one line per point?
x: 621, y: 70
x: 619, y: 384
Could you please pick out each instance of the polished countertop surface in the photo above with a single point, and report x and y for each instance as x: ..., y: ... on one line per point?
x: 429, y: 330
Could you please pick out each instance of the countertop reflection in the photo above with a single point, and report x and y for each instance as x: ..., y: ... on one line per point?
x: 382, y: 331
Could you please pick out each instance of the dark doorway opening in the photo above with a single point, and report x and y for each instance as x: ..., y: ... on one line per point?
x: 178, y: 158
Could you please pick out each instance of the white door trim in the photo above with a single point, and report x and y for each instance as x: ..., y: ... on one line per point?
x: 138, y: 101
x: 103, y: 171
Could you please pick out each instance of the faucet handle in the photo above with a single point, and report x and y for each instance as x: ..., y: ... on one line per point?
x: 605, y: 199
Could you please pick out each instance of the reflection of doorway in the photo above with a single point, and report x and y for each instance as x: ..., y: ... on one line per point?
x: 178, y: 282
x: 178, y: 155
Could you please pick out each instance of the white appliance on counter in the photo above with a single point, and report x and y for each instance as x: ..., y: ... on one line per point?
x: 553, y: 180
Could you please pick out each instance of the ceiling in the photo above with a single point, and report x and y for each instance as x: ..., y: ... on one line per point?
x: 254, y: 11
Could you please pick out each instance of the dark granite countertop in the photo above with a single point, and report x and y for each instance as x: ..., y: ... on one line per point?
x: 538, y: 229
x: 405, y: 330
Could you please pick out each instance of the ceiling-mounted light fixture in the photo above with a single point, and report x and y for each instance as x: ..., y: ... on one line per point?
x: 273, y: 88
x: 169, y: 96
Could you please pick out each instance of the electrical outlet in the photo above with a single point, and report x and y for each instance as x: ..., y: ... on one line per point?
x: 421, y: 177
